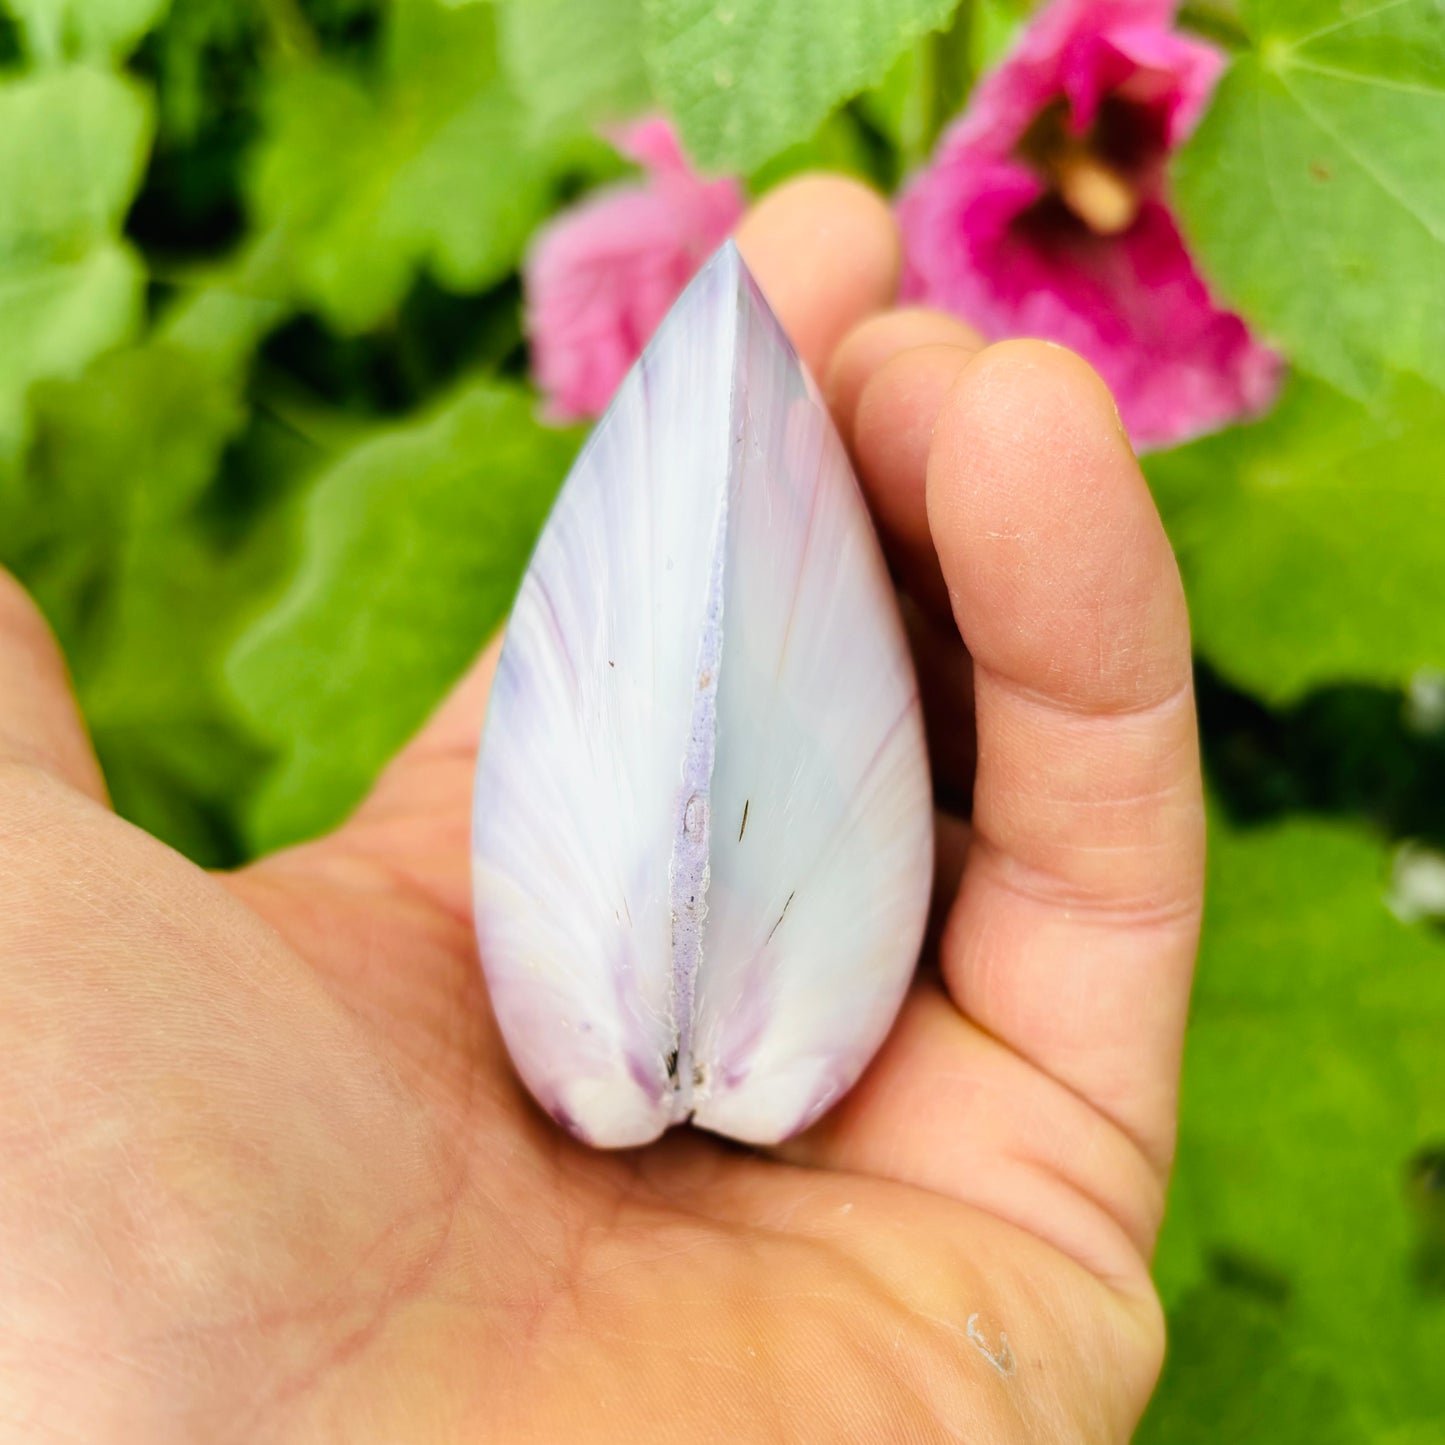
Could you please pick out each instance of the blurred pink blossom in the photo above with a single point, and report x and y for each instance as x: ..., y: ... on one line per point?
x: 601, y: 276
x: 1043, y: 213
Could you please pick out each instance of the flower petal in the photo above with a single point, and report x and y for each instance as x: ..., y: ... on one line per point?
x: 601, y: 276
x: 984, y: 238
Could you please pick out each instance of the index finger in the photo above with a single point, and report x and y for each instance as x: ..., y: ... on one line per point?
x: 1074, y: 935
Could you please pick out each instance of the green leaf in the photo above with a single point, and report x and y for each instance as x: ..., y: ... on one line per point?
x: 72, y: 144
x: 1312, y: 1079
x: 1231, y: 1375
x: 1308, y: 540
x: 575, y: 62
x: 84, y: 29
x: 997, y: 25
x: 429, y: 166
x: 225, y: 314
x: 746, y: 78
x: 203, y: 62
x: 838, y: 145
x: 1313, y: 191
x: 120, y: 535
x: 414, y: 545
x: 929, y: 83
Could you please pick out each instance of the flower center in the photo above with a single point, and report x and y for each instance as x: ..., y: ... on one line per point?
x: 1098, y: 194
x: 1100, y: 176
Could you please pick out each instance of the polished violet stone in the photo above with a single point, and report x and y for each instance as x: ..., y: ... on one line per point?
x: 703, y: 829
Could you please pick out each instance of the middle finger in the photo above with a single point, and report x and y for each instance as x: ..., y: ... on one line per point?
x: 887, y: 383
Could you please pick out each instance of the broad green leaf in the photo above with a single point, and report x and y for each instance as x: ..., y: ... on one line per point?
x: 224, y: 315
x: 1232, y: 1376
x: 928, y: 84
x: 429, y: 166
x: 121, y: 458
x: 1312, y: 1079
x: 414, y: 544
x: 84, y: 29
x: 1313, y: 190
x: 121, y: 536
x: 1308, y: 540
x: 575, y: 62
x: 838, y: 145
x: 746, y: 78
x: 72, y: 144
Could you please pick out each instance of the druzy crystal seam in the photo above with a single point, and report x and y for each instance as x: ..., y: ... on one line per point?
x: 689, y: 873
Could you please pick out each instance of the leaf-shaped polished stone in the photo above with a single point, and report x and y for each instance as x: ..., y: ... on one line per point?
x: 703, y: 833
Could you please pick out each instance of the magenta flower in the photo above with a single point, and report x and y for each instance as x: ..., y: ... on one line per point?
x: 601, y: 276
x: 1043, y: 213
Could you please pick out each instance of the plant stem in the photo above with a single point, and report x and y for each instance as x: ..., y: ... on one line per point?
x: 951, y: 61
x: 942, y: 75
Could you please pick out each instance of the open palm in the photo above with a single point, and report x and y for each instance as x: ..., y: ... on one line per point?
x: 265, y: 1174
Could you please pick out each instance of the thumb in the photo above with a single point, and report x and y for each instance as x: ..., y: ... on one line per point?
x: 40, y: 725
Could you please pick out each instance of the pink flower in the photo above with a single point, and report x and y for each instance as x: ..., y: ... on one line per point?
x: 1043, y: 214
x: 601, y: 276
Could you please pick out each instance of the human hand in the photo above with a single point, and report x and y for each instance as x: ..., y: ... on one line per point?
x: 265, y: 1174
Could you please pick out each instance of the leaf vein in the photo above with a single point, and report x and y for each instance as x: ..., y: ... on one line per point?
x: 1365, y: 163
x: 1360, y: 77
x: 1345, y: 22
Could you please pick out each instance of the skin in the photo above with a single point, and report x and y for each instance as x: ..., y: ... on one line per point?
x: 265, y: 1174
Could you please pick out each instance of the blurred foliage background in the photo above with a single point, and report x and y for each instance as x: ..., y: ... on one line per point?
x: 271, y: 464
